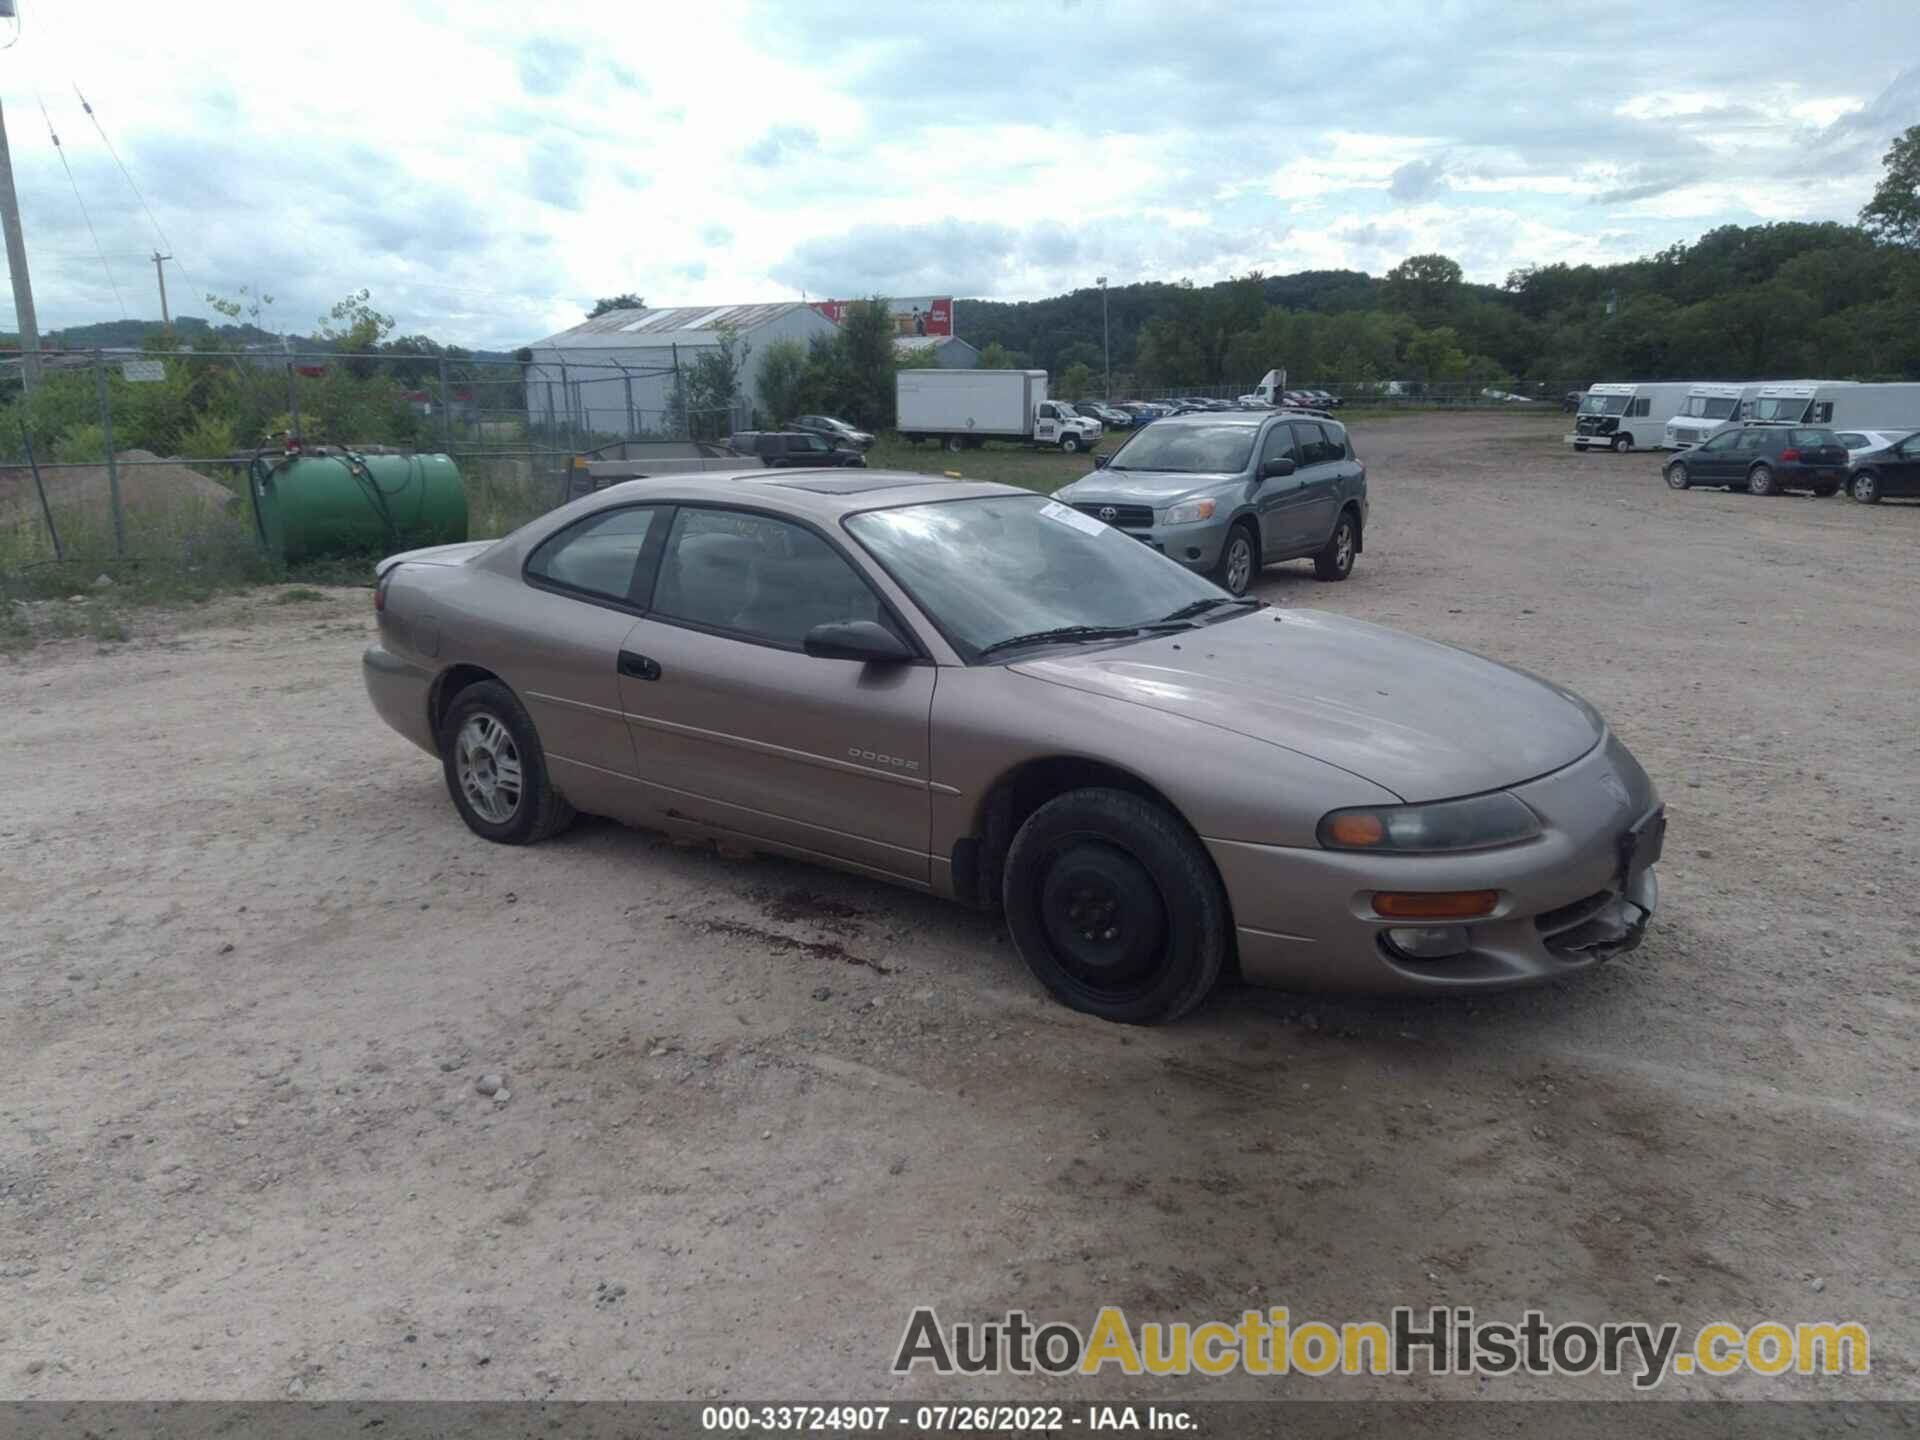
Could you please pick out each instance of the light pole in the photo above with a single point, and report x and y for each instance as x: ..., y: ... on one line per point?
x: 1106, y: 351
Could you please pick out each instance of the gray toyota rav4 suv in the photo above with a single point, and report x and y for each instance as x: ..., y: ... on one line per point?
x: 1228, y: 492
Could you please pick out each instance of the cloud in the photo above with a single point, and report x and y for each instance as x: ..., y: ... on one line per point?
x: 1416, y: 180
x: 748, y: 149
x: 782, y: 143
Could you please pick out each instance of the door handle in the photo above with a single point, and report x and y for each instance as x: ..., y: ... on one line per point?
x: 639, y: 667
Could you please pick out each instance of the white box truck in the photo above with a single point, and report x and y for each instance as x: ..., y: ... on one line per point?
x: 1624, y: 414
x: 962, y: 409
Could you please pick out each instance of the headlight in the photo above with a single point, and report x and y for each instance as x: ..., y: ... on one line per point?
x: 1474, y: 824
x: 1189, y: 512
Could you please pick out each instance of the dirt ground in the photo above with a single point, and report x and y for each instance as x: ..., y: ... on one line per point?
x: 254, y: 966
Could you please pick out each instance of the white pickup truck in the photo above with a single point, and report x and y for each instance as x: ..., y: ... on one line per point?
x: 962, y: 409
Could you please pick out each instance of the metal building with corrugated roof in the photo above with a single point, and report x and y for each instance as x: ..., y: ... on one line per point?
x: 614, y: 374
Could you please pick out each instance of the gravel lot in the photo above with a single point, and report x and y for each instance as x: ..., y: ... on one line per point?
x: 255, y: 967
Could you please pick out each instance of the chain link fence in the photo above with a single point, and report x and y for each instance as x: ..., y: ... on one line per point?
x: 129, y: 455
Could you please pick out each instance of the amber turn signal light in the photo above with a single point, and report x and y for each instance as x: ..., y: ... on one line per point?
x: 1435, y: 904
x: 1356, y: 828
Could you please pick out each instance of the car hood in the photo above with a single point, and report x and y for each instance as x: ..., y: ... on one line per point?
x: 437, y: 555
x: 1424, y: 720
x: 1145, y: 487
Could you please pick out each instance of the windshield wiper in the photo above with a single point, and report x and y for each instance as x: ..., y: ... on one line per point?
x: 1210, y: 602
x: 1063, y: 632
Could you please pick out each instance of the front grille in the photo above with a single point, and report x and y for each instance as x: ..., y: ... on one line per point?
x: 1127, y: 517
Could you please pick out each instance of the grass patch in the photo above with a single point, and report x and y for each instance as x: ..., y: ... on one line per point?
x: 1039, y: 470
x: 299, y: 595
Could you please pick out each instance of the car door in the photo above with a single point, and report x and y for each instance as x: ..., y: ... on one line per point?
x: 558, y: 644
x: 1277, y: 498
x: 1900, y: 472
x: 736, y: 727
x: 1710, y: 462
x: 1320, y: 473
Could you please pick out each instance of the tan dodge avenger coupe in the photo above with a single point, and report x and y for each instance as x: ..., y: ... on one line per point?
x: 977, y: 691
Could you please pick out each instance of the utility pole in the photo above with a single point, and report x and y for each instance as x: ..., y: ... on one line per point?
x: 17, y: 267
x: 159, y: 268
x: 1106, y: 350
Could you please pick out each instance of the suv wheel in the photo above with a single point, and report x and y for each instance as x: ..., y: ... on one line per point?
x: 1115, y: 906
x: 1335, y: 559
x: 1762, y: 481
x: 1865, y: 488
x: 1239, y: 559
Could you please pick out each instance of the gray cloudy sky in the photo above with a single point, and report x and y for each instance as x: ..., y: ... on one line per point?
x: 486, y: 168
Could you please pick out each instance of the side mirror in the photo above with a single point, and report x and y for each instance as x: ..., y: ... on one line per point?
x: 1100, y: 461
x: 856, y: 640
x: 1277, y: 467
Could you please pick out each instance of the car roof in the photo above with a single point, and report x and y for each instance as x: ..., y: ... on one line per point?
x: 819, y: 492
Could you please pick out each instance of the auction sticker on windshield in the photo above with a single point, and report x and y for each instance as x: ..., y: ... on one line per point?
x: 1085, y: 524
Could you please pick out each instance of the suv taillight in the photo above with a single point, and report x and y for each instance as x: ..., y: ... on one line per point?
x: 1790, y: 454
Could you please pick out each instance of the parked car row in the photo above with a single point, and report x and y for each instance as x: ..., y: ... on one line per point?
x: 1678, y: 414
x: 1770, y: 459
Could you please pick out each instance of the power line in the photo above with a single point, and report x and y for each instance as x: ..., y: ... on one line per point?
x: 74, y: 185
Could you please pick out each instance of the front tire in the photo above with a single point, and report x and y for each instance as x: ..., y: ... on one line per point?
x: 1239, y: 560
x: 1335, y: 559
x: 1070, y: 444
x: 1762, y: 481
x: 496, y: 771
x: 1677, y: 476
x: 1622, y: 444
x: 1865, y: 488
x: 1115, y: 907
x: 955, y: 444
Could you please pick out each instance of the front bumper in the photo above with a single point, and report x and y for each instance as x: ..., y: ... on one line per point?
x: 1588, y: 442
x: 1304, y: 917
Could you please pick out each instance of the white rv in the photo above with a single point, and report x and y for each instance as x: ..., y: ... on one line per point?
x: 1708, y: 406
x: 1627, y: 414
x: 1844, y: 403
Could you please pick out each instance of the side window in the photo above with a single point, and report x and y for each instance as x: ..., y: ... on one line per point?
x: 1641, y: 406
x: 1313, y: 444
x: 758, y: 578
x: 1822, y: 413
x: 1723, y: 441
x: 1279, y: 445
x: 1753, y: 439
x: 600, y: 556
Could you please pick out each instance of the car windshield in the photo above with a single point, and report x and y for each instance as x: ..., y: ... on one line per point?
x: 989, y: 570
x: 1604, y: 405
x: 1217, y: 449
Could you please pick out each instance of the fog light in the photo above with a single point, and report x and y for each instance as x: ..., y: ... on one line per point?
x: 1436, y: 943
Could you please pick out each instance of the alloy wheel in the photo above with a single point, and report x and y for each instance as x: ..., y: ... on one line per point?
x: 487, y: 763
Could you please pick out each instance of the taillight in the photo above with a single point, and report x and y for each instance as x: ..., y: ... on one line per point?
x: 380, y: 590
x: 1789, y: 454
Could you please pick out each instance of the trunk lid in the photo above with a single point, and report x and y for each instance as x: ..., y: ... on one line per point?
x: 1424, y: 720
x: 458, y: 554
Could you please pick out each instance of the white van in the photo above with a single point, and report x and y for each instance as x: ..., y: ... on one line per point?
x: 1847, y: 404
x: 1708, y: 406
x: 1627, y: 414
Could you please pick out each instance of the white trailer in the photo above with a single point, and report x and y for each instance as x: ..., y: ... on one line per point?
x: 1846, y: 404
x: 1710, y: 405
x: 962, y: 409
x: 1627, y: 414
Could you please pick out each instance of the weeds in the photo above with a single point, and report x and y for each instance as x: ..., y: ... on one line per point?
x: 299, y: 595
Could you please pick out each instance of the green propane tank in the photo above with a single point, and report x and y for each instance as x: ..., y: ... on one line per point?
x: 342, y: 503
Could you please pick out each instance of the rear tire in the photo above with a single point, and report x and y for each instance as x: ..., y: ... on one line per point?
x: 1762, y: 481
x: 1115, y: 907
x: 496, y: 771
x: 955, y: 444
x: 1677, y: 476
x: 1865, y: 488
x: 1335, y: 559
